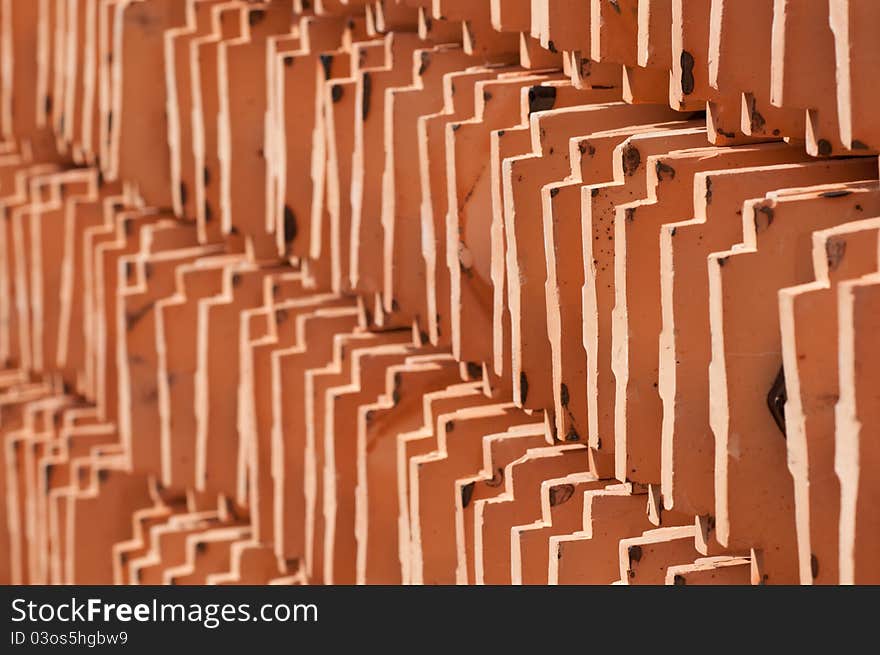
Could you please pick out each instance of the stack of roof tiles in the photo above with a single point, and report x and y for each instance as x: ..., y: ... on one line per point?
x: 441, y: 291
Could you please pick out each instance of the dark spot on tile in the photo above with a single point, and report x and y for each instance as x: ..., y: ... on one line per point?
x: 835, y: 249
x: 776, y: 399
x: 367, y: 97
x: 767, y: 212
x: 560, y: 494
x: 586, y: 67
x: 687, y: 72
x: 425, y: 62
x: 523, y: 387
x: 664, y: 169
x: 327, y: 64
x: 755, y: 118
x: 336, y: 92
x: 541, y: 98
x: 467, y: 492
x: 710, y: 523
x: 824, y: 147
x: 635, y: 553
x: 631, y: 158
x: 835, y: 194
x: 290, y: 226
x: 563, y: 394
x: 497, y: 478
